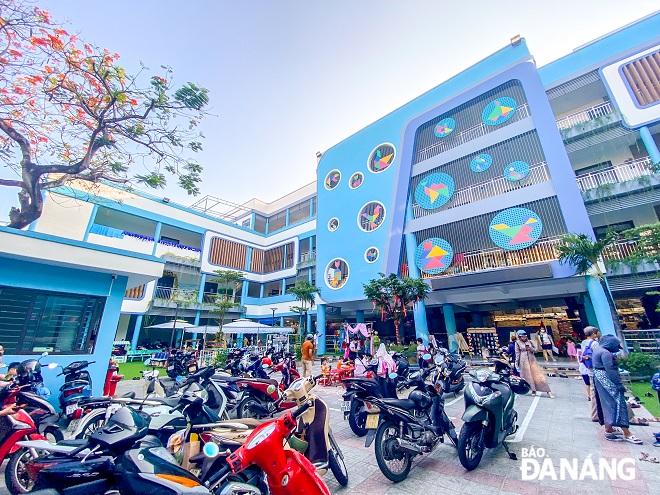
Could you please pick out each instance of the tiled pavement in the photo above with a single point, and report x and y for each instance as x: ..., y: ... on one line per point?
x: 561, y: 426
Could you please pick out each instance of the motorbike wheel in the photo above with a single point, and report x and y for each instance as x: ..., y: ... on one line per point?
x: 17, y: 479
x: 357, y: 426
x: 393, y: 463
x: 243, y: 408
x: 337, y: 464
x: 91, y: 427
x: 53, y: 434
x: 469, y: 451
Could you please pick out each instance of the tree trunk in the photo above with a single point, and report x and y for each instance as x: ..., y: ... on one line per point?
x: 31, y: 207
x: 396, y: 332
x: 615, y: 316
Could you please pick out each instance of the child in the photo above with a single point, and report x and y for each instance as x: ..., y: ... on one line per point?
x: 325, y: 367
x: 571, y: 350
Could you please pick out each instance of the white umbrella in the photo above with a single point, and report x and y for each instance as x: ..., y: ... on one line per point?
x: 178, y: 324
x: 248, y: 326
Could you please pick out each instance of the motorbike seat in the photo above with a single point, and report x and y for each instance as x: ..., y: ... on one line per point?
x: 400, y: 403
x: 129, y: 395
x: 73, y: 442
x: 168, y: 401
x: 269, y: 381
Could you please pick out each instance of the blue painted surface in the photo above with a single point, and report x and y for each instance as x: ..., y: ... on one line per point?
x: 320, y: 327
x: 268, y: 300
x: 649, y: 144
x: 600, y: 306
x: 419, y: 314
x: 159, y: 226
x: 450, y: 324
x: 359, y: 315
x: 136, y: 332
x: 92, y: 218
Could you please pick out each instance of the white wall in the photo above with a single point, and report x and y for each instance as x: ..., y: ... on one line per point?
x: 122, y: 327
x: 64, y: 217
x: 640, y: 215
x: 128, y: 243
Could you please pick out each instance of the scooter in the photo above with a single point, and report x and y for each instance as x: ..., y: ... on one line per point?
x: 261, y: 398
x: 77, y: 386
x: 450, y: 368
x: 180, y: 363
x: 489, y: 416
x: 287, y: 471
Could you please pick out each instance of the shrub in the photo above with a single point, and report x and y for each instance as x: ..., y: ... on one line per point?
x: 639, y: 364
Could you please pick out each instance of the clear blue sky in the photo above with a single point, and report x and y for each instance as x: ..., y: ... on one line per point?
x: 289, y: 78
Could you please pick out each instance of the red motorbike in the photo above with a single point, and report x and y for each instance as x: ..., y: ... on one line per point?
x: 262, y: 397
x: 288, y: 472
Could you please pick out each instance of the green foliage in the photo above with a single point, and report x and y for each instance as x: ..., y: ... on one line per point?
x: 305, y: 293
x: 647, y: 245
x: 579, y: 251
x: 639, y: 364
x: 220, y: 359
x: 223, y: 301
x: 155, y: 180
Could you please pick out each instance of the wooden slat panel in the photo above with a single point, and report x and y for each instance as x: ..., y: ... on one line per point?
x: 643, y: 76
x: 228, y: 253
x: 134, y: 293
x: 257, y: 263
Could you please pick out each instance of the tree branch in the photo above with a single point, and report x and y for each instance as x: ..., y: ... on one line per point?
x: 12, y: 183
x: 22, y: 141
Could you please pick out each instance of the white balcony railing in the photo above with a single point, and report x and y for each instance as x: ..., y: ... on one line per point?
x: 618, y: 173
x: 585, y: 115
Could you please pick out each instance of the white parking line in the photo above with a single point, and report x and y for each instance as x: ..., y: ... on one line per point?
x: 460, y: 397
x: 333, y: 409
x: 523, y: 426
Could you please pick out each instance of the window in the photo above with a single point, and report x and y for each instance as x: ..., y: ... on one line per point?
x: 254, y: 290
x: 643, y: 76
x: 260, y: 224
x: 603, y: 230
x: 33, y: 322
x: 246, y: 223
x: 228, y: 253
x: 290, y: 283
x: 273, y: 288
x: 299, y: 212
x: 277, y: 221
x: 303, y: 247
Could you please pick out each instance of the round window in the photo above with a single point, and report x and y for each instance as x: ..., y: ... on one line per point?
x: 371, y: 254
x: 332, y: 180
x: 381, y: 158
x: 371, y: 216
x: 336, y: 274
x: 356, y: 180
x: 333, y: 224
x: 499, y: 111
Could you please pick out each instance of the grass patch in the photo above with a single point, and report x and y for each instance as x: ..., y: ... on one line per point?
x: 131, y: 370
x: 650, y: 403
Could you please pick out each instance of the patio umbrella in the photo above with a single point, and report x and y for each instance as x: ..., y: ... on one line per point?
x: 248, y: 326
x: 174, y: 325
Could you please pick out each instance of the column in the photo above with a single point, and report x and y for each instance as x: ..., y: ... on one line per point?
x: 419, y: 314
x: 92, y: 217
x: 650, y: 145
x: 311, y: 207
x: 320, y: 326
x: 159, y: 226
x: 589, y: 310
x: 359, y: 315
x: 136, y: 332
x: 282, y: 321
x: 450, y: 324
x: 477, y: 319
x: 248, y: 259
x: 601, y: 306
x: 308, y: 323
x: 200, y: 300
x: 288, y: 217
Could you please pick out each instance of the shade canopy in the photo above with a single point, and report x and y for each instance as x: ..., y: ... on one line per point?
x: 172, y: 324
x: 246, y: 326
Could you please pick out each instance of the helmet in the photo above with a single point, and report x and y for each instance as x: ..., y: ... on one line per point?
x: 267, y: 361
x: 421, y: 399
x: 309, y: 336
x: 29, y: 366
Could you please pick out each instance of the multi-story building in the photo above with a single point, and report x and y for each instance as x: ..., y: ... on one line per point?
x: 470, y: 186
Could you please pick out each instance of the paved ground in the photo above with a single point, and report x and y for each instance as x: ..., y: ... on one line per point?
x: 561, y: 426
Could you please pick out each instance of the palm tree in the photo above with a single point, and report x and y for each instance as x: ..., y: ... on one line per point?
x: 585, y: 255
x: 391, y: 295
x: 305, y: 293
x: 223, y: 301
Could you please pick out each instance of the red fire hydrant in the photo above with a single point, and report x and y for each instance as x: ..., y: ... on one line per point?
x: 112, y: 379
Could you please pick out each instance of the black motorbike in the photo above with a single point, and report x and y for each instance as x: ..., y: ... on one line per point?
x: 406, y: 428
x: 450, y: 368
x: 181, y: 363
x: 489, y: 416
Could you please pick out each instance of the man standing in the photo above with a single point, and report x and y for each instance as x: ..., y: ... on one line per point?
x: 307, y: 348
x: 592, y: 334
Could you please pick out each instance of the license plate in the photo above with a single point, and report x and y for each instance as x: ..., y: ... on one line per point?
x: 346, y: 406
x: 70, y: 409
x: 372, y: 421
x: 170, y: 368
x: 192, y: 368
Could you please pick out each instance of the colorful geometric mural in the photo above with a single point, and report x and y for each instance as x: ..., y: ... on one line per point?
x: 333, y: 224
x: 434, y: 255
x: 356, y: 180
x: 336, y: 274
x: 381, y: 158
x: 434, y: 191
x: 515, y: 171
x: 371, y: 254
x: 371, y: 216
x: 481, y: 162
x: 515, y: 228
x: 499, y: 111
x: 332, y: 179
x: 445, y: 127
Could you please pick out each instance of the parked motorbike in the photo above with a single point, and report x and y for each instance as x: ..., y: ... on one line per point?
x: 489, y: 416
x: 261, y: 398
x: 180, y: 363
x: 450, y: 367
x: 77, y: 386
x: 406, y: 428
x: 287, y: 471
x: 287, y: 367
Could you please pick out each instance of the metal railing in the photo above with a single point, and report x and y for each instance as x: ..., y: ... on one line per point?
x: 620, y: 250
x: 459, y: 138
x: 617, y: 173
x: 499, y: 185
x: 585, y: 115
x: 175, y: 294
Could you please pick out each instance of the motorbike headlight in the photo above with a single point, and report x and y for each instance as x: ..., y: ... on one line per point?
x: 163, y: 453
x: 261, y: 436
x: 446, y: 372
x: 482, y: 375
x: 487, y: 399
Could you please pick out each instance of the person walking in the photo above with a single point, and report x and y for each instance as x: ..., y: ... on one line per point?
x: 511, y: 352
x: 587, y: 347
x: 546, y: 344
x: 528, y: 366
x: 612, y: 408
x: 421, y: 350
x: 307, y: 349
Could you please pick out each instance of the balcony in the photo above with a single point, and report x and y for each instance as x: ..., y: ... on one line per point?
x: 306, y: 260
x: 603, y: 179
x: 538, y: 173
x: 188, y: 298
x: 591, y: 119
x: 620, y: 250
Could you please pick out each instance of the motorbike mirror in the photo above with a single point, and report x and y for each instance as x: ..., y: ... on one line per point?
x: 151, y: 387
x: 211, y: 449
x: 147, y: 362
x: 374, y: 362
x: 52, y: 366
x: 239, y: 489
x: 44, y: 354
x: 393, y: 376
x: 426, y: 357
x: 179, y: 378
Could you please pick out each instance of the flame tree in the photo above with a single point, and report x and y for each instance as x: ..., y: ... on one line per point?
x: 69, y: 112
x: 394, y: 297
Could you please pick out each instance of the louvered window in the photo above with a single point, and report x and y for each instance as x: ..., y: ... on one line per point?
x: 643, y: 76
x: 228, y: 253
x: 135, y: 292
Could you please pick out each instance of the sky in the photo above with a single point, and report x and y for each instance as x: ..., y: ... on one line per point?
x: 289, y: 78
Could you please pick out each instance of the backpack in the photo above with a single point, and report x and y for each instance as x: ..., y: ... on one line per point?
x: 655, y: 382
x: 588, y: 356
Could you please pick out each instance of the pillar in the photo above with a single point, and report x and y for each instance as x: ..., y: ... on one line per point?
x: 136, y: 332
x: 477, y: 319
x: 320, y: 326
x: 92, y: 218
x: 196, y: 323
x: 282, y: 321
x: 419, y: 314
x: 359, y: 315
x: 589, y: 311
x: 450, y: 324
x: 650, y: 145
x: 159, y: 226
x: 308, y: 323
x: 288, y: 218
x: 601, y: 306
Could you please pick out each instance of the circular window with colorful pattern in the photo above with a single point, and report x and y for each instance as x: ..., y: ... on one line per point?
x: 499, y: 111
x: 356, y: 180
x: 445, y: 127
x: 333, y: 224
x: 371, y: 216
x: 336, y: 274
x: 481, y: 162
x: 434, y: 191
x: 515, y: 228
x: 516, y: 171
x: 434, y: 255
x: 371, y: 254
x: 381, y: 158
x: 332, y: 180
